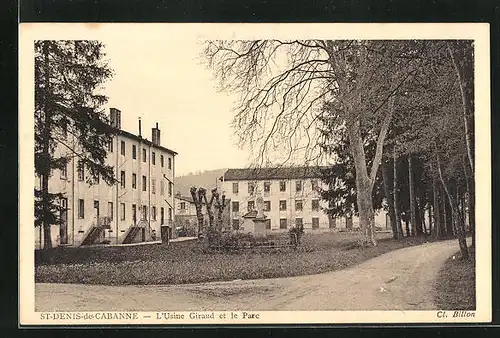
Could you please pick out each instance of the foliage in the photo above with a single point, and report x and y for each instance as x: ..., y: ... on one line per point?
x: 296, y: 234
x: 340, y: 176
x: 68, y: 115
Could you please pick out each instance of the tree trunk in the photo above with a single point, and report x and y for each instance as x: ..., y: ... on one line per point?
x: 454, y: 213
x: 363, y: 183
x: 208, y: 205
x: 220, y: 206
x: 471, y: 199
x: 397, y: 213
x: 435, y: 207
x: 471, y: 212
x: 413, y: 218
x: 47, y: 238
x: 197, y: 204
x: 389, y: 196
x: 429, y: 214
x: 464, y: 108
x: 421, y: 227
x: 445, y: 214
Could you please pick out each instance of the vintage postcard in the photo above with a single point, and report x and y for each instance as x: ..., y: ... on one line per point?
x: 254, y: 174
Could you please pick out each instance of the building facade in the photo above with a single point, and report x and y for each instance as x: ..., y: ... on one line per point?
x: 131, y: 210
x: 291, y: 197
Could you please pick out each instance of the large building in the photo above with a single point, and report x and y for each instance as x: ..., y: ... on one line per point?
x: 132, y: 210
x: 290, y: 197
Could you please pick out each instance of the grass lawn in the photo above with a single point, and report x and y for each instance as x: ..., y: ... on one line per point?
x: 456, y: 283
x: 191, y: 262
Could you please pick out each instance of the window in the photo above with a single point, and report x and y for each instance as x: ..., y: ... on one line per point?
x: 268, y: 224
x: 251, y: 205
x: 251, y: 188
x: 81, y: 174
x: 170, y: 214
x: 283, y: 224
x: 64, y: 171
x: 153, y: 213
x: 267, y: 205
x: 282, y: 205
x: 134, y: 213
x: 110, y: 210
x: 143, y: 155
x: 170, y: 163
x: 282, y: 186
x: 96, y: 209
x: 110, y: 146
x: 162, y: 188
x: 134, y: 151
x: 153, y: 186
x: 96, y: 179
x: 161, y: 161
x: 162, y: 215
x: 122, y: 179
x: 183, y: 205
x: 267, y: 186
x: 122, y: 148
x: 298, y: 205
x: 153, y: 158
x: 315, y: 223
x: 315, y: 205
x: 298, y: 186
x: 81, y: 209
x: 144, y: 214
x: 236, y: 224
x: 170, y: 187
x: 235, y: 188
x: 236, y: 206
x: 122, y: 211
x: 144, y: 185
x: 314, y: 185
x: 134, y: 181
x: 299, y: 222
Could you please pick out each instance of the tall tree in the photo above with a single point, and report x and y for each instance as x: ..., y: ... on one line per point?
x: 280, y: 82
x: 340, y: 175
x: 69, y: 115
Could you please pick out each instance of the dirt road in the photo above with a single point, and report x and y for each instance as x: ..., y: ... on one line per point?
x: 398, y: 280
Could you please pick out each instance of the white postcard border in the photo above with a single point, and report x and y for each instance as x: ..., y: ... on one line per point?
x: 479, y: 32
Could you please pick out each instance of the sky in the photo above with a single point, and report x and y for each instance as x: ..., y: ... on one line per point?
x: 164, y: 81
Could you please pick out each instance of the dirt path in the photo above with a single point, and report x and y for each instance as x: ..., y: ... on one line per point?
x: 398, y: 280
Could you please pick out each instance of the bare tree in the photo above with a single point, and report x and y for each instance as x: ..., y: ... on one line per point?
x: 197, y: 195
x: 282, y: 83
x: 220, y: 205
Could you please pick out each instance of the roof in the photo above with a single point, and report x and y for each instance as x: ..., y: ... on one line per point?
x: 145, y: 141
x: 253, y: 214
x: 185, y: 198
x: 272, y: 173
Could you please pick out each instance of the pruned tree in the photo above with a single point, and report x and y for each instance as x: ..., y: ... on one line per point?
x: 208, y: 206
x: 69, y: 115
x: 197, y: 196
x: 220, y: 206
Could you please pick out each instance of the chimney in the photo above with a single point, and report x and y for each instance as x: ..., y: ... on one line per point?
x: 140, y: 133
x: 115, y: 117
x: 155, y: 135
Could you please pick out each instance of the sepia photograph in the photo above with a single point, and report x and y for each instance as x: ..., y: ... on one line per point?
x: 255, y: 174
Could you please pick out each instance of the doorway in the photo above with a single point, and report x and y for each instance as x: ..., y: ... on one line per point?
x: 63, y: 227
x: 96, y: 211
